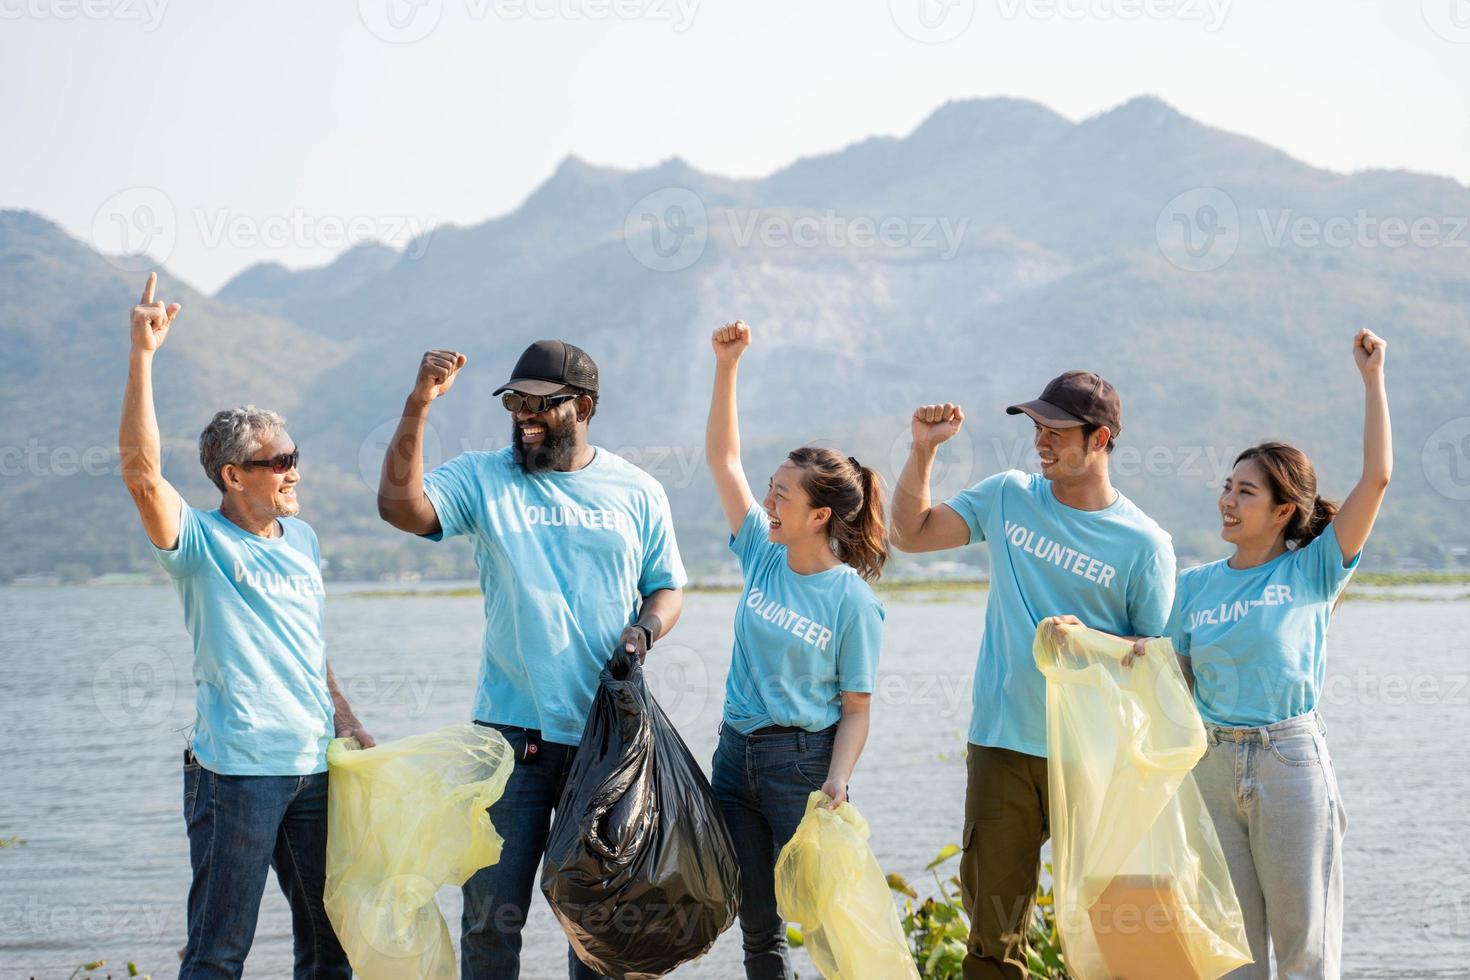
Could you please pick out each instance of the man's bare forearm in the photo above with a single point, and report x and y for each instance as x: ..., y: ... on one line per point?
x: 138, y: 443
x: 401, y: 499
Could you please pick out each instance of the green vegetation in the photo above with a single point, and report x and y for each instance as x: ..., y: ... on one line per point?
x: 88, y: 969
x: 937, y: 927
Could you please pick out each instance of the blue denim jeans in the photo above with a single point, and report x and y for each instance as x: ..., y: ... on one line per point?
x: 762, y: 783
x: 238, y: 827
x: 497, y: 898
x: 1273, y: 797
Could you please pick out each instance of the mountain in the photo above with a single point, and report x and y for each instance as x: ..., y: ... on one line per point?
x: 1215, y: 280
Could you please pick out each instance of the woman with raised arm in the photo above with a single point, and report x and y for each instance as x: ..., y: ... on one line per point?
x: 807, y: 633
x: 1251, y: 632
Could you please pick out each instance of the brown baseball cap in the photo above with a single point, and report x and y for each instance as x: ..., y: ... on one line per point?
x: 1072, y: 399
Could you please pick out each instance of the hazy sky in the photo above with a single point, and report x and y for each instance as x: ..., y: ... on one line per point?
x: 275, y: 130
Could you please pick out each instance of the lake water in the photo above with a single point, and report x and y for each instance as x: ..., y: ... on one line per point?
x: 96, y: 686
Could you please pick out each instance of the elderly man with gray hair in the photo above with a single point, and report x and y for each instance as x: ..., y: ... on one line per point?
x: 249, y: 576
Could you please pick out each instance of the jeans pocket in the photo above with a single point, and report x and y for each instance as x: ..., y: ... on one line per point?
x: 1297, y: 750
x: 813, y: 772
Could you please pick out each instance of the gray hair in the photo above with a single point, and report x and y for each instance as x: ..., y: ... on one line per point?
x: 232, y: 435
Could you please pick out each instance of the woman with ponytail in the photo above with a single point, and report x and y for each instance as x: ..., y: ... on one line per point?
x: 807, y: 632
x: 1251, y: 633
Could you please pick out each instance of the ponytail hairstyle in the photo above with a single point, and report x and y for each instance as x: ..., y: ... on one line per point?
x: 854, y: 493
x: 1292, y: 480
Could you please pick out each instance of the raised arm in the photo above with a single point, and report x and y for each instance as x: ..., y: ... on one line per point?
x: 1358, y: 512
x: 915, y: 525
x: 138, y: 444
x: 722, y: 432
x: 401, y: 498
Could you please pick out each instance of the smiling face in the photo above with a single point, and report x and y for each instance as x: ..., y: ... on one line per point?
x: 545, y: 440
x: 261, y: 492
x: 1248, y: 513
x: 1063, y: 452
x: 792, y: 516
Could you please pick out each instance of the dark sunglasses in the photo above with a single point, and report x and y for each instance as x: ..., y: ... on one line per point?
x: 282, y: 463
x: 515, y: 401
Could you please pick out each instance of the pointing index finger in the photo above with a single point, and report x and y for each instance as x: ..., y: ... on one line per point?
x: 148, y: 288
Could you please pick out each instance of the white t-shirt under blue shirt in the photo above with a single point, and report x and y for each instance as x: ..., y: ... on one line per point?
x: 565, y: 559
x: 254, y: 607
x: 1257, y: 637
x: 800, y: 640
x: 1111, y: 568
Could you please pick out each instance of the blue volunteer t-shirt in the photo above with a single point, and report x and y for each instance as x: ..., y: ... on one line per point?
x: 564, y: 561
x: 254, y: 607
x: 800, y: 640
x: 1111, y: 568
x: 1257, y: 637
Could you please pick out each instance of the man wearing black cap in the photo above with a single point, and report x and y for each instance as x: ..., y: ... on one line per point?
x: 1062, y: 542
x: 576, y: 553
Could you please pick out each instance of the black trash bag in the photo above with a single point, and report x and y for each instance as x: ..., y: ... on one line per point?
x: 639, y: 868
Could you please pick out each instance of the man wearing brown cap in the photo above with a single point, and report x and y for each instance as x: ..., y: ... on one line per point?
x: 576, y: 553
x: 1063, y: 542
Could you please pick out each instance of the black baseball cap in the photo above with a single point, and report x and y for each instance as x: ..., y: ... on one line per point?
x: 548, y: 366
x: 1072, y: 399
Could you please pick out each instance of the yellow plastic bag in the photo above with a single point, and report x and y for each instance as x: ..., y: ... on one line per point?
x: 404, y: 818
x: 1140, y: 882
x: 828, y: 880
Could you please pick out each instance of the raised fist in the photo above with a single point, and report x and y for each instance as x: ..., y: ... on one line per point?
x: 437, y: 372
x: 934, y: 424
x: 730, y: 342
